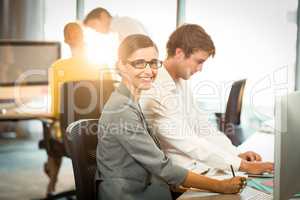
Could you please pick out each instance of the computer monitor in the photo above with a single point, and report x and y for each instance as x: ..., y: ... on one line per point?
x: 287, y: 146
x: 26, y: 62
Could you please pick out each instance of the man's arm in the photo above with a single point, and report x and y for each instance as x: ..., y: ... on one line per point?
x: 175, y: 132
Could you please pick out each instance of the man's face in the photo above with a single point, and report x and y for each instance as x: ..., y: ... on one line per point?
x: 187, y: 66
x: 102, y: 24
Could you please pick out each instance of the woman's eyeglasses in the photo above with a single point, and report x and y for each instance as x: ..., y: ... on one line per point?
x: 142, y: 64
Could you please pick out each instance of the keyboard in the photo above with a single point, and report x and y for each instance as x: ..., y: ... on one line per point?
x: 253, y: 194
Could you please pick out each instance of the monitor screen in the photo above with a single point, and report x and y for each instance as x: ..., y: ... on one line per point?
x: 26, y: 62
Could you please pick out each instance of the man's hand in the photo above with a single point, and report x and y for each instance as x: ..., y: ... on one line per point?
x: 256, y: 167
x: 250, y: 156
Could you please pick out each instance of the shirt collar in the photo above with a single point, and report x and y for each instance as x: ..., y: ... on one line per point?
x: 164, y: 79
x: 123, y: 90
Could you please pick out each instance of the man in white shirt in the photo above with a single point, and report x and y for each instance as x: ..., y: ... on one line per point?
x: 125, y: 26
x: 184, y: 131
x: 103, y: 33
x: 98, y: 19
x: 101, y: 44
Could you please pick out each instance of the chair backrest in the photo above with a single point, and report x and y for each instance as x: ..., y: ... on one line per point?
x: 234, y: 104
x: 82, y: 100
x: 82, y: 139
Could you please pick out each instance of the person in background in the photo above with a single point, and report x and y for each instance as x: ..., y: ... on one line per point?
x: 101, y: 45
x: 130, y: 161
x: 186, y: 134
x: 125, y: 26
x: 98, y: 19
x: 104, y: 34
x: 75, y: 68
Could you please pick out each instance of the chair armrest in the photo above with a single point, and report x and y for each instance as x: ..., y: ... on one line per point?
x: 220, y: 115
x: 220, y: 119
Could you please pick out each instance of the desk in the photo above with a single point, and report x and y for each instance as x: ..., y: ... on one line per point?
x: 24, y: 103
x: 193, y: 195
x: 25, y: 116
x: 16, y: 113
x: 32, y: 109
x: 46, y: 119
x: 190, y: 195
x: 262, y: 143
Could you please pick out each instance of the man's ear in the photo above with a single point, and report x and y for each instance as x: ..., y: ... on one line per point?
x: 179, y: 54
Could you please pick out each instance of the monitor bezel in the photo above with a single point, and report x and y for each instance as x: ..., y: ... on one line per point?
x: 29, y: 43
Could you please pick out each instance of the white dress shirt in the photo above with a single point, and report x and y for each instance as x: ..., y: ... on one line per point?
x: 101, y: 48
x: 125, y: 26
x: 184, y: 130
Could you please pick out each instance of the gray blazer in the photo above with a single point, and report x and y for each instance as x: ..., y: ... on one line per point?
x: 130, y: 164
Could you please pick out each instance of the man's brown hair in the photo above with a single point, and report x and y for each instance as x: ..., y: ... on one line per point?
x: 95, y: 14
x: 190, y: 38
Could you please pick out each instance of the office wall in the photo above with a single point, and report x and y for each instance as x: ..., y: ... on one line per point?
x: 254, y: 39
x: 57, y: 14
x: 22, y: 20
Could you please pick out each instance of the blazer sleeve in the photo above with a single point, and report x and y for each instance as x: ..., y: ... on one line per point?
x: 134, y: 137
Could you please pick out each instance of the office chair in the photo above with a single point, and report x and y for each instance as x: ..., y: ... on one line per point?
x: 229, y: 122
x: 83, y: 100
x: 82, y: 140
x: 79, y: 100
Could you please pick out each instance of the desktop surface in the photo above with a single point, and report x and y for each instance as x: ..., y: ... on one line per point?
x: 24, y: 103
x: 246, y: 194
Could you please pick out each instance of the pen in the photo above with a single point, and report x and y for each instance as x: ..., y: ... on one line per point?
x: 233, y: 174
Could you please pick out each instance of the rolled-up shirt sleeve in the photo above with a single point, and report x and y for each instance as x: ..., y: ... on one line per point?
x: 135, y: 139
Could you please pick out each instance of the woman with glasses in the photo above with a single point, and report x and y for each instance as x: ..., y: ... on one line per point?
x: 130, y: 162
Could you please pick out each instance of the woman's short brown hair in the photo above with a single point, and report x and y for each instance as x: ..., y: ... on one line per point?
x: 190, y: 38
x: 132, y: 43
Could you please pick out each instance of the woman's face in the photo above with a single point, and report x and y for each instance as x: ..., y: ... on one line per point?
x: 140, y: 77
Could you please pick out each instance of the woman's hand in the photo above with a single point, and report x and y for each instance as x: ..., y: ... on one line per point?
x: 229, y: 186
x: 233, y: 185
